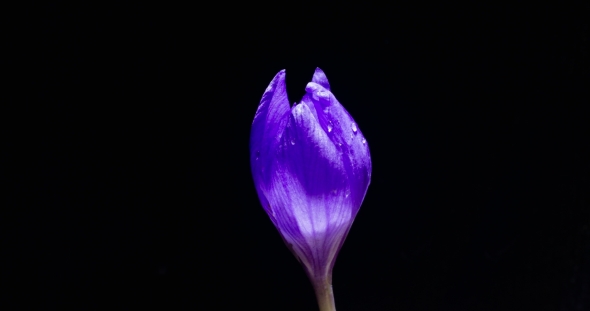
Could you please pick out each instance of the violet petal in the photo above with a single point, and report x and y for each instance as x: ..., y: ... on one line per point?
x: 269, y: 123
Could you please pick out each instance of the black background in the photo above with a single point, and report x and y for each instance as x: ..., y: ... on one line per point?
x: 128, y: 178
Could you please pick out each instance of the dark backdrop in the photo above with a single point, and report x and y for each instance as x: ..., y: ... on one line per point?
x: 128, y: 178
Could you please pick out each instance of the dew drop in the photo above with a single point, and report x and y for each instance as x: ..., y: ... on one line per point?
x: 364, y: 141
x: 339, y: 145
x: 330, y: 126
x: 353, y: 126
x: 257, y: 154
x: 292, y: 142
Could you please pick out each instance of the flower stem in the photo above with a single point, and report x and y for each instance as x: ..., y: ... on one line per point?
x: 324, y: 293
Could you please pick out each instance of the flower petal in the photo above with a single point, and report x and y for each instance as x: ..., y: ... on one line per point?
x: 269, y: 123
x: 346, y: 135
x: 310, y: 194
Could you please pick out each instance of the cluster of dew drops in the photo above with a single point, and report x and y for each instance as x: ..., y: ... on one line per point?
x: 353, y: 127
x: 330, y: 128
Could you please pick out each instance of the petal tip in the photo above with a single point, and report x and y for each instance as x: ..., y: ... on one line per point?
x: 320, y: 78
x: 279, y: 79
x: 281, y: 74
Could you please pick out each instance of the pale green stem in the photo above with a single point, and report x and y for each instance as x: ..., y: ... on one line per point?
x: 324, y: 293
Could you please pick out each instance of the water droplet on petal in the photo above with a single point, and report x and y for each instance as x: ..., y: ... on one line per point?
x: 339, y: 145
x: 364, y: 141
x: 353, y: 126
x: 292, y: 142
x: 330, y: 126
x: 257, y: 154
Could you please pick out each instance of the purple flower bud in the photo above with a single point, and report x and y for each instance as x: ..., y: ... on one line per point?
x: 311, y: 167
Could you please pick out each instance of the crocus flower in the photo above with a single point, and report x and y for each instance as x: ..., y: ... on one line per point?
x: 311, y: 167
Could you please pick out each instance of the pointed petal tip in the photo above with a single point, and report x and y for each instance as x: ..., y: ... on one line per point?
x: 281, y: 73
x: 277, y: 81
x: 274, y: 99
x: 320, y: 78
